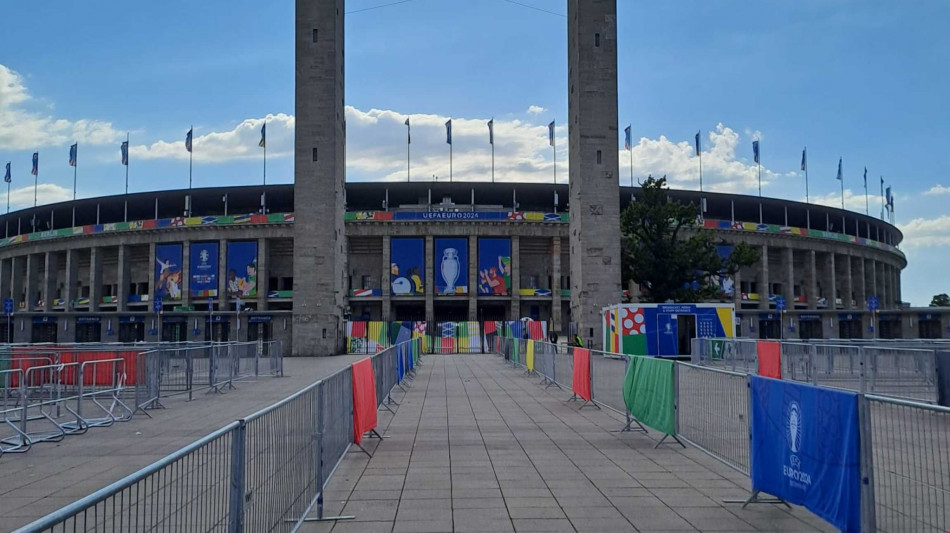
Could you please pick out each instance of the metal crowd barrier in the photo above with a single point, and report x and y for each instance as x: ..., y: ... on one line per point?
x: 265, y: 472
x: 712, y: 412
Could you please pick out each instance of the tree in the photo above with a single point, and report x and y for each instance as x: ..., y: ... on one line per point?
x: 662, y: 256
x: 940, y: 300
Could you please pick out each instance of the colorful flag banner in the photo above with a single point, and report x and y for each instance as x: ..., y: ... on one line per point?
x: 699, y: 147
x: 36, y: 164
x: 627, y: 144
x: 124, y: 148
x: 551, y: 133
x: 73, y: 152
x: 263, y: 143
x: 188, y: 140
x: 755, y: 151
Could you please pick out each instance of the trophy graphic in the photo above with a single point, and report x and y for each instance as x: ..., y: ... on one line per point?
x: 450, y: 269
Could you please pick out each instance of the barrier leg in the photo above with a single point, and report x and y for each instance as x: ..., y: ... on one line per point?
x: 657, y: 445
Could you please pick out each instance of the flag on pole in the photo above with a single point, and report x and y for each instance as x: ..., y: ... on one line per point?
x: 755, y: 151
x: 6, y: 176
x: 408, y: 132
x: 263, y: 143
x: 124, y: 148
x: 889, y: 199
x: 699, y: 147
x: 491, y: 131
x: 448, y: 132
x: 839, y: 177
x: 72, y: 154
x: 36, y: 164
x: 188, y: 140
x: 627, y: 144
x: 804, y: 159
x: 865, y: 177
x: 551, y: 133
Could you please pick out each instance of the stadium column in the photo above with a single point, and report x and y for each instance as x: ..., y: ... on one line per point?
x: 95, y: 277
x: 872, y: 275
x: 515, y: 277
x: 555, y: 324
x: 186, y: 273
x: 319, y: 178
x: 50, y: 266
x: 860, y: 289
x: 263, y: 275
x: 16, y: 280
x: 847, y: 282
x: 593, y: 163
x: 122, y: 278
x: 472, y: 278
x: 384, y: 279
x: 5, y: 278
x: 430, y: 275
x: 72, y: 276
x: 788, y: 284
x: 885, y: 287
x: 811, y: 279
x: 223, y: 300
x: 830, y: 287
x: 897, y: 285
x: 32, y: 273
x: 764, y: 289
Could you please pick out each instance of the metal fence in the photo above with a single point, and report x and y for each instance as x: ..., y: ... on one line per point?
x: 712, y: 412
x: 265, y: 472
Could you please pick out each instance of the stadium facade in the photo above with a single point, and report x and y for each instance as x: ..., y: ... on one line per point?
x: 420, y: 251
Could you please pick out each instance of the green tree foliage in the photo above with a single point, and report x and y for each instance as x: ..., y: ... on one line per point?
x: 668, y: 254
x: 940, y: 300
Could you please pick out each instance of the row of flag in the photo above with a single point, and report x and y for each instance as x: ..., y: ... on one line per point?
x: 491, y: 132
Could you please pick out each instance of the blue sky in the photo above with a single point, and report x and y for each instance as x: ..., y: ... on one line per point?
x: 865, y: 81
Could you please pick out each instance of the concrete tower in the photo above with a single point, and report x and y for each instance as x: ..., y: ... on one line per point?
x: 319, y: 173
x: 594, y: 164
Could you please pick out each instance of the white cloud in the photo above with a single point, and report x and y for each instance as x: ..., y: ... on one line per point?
x: 240, y: 142
x: 926, y: 232
x: 535, y: 110
x: 46, y: 193
x: 22, y: 128
x: 937, y: 190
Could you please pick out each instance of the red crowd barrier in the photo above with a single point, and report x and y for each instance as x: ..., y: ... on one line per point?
x: 364, y: 399
x: 25, y: 358
x: 580, y: 384
x: 769, y: 354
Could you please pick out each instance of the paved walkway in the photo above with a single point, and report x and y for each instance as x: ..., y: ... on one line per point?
x: 51, y: 475
x: 477, y: 446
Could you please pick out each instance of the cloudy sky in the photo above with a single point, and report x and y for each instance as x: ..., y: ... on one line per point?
x: 864, y: 81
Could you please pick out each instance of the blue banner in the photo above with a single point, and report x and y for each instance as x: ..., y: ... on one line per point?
x: 451, y: 266
x: 242, y: 269
x: 407, y: 267
x: 168, y: 275
x: 494, y: 266
x: 203, y: 270
x: 806, y: 448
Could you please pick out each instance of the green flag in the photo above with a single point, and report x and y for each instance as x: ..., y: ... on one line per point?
x: 648, y: 393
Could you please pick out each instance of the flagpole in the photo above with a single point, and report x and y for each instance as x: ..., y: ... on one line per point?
x: 493, y: 161
x: 760, y: 178
x: 631, y: 170
x: 700, y: 170
x: 75, y: 171
x: 126, y: 216
x: 805, y: 161
x: 450, y: 162
x: 264, y: 194
x: 191, y: 156
x: 408, y: 153
x: 554, y: 150
x: 882, y: 197
x: 867, y: 208
x: 842, y: 191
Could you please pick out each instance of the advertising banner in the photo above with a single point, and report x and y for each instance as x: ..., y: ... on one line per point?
x: 451, y: 266
x: 203, y: 275
x: 769, y: 354
x: 407, y: 267
x: 580, y: 376
x: 648, y: 393
x: 806, y: 448
x: 242, y: 269
x: 494, y: 266
x: 364, y: 399
x: 168, y: 275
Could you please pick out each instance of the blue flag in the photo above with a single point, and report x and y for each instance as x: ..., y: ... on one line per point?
x: 491, y: 131
x: 627, y: 144
x: 755, y: 151
x: 408, y: 132
x: 448, y: 132
x: 73, y: 150
x: 36, y: 164
x: 125, y: 152
x: 805, y: 159
x: 551, y: 133
x: 188, y: 140
x: 263, y: 143
x: 889, y: 199
x: 6, y: 176
x: 839, y: 177
x: 865, y: 177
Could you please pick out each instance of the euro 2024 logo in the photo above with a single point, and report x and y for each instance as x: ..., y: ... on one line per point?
x: 793, y: 434
x: 204, y: 256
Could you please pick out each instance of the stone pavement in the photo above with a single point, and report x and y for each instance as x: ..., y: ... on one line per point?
x: 51, y: 475
x: 478, y: 446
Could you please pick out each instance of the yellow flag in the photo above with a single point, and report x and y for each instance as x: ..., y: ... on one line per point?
x: 529, y: 357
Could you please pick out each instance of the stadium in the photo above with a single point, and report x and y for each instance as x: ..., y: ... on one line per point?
x: 139, y: 268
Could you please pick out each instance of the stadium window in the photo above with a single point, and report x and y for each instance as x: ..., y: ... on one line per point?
x: 314, y: 154
x: 599, y: 157
x: 597, y: 40
x: 314, y: 35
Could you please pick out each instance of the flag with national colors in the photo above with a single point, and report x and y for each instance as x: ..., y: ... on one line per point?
x: 551, y: 133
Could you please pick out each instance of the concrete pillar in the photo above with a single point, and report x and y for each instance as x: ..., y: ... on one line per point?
x: 897, y: 286
x: 263, y: 274
x: 788, y: 291
x: 737, y: 290
x: 556, y: 285
x: 72, y: 277
x: 185, y: 273
x: 223, y: 301
x: 763, y: 285
x: 430, y: 278
x: 472, y: 277
x: 848, y: 283
x: 515, y: 277
x: 123, y: 276
x: 32, y: 280
x: 385, y: 286
x: 594, y: 163
x: 50, y: 265
x: 95, y: 276
x: 882, y: 285
x: 17, y: 279
x: 151, y: 273
x: 860, y: 288
x: 830, y: 286
x: 319, y: 174
x: 811, y: 279
x: 4, y: 279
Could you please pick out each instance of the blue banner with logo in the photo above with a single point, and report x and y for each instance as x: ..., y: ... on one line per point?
x: 242, y: 269
x: 168, y: 273
x: 806, y: 448
x: 203, y: 275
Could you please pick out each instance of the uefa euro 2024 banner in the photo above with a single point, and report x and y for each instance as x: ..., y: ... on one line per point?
x: 242, y: 269
x: 168, y: 275
x: 451, y: 266
x: 407, y: 267
x: 806, y: 448
x: 494, y: 266
x: 203, y: 267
